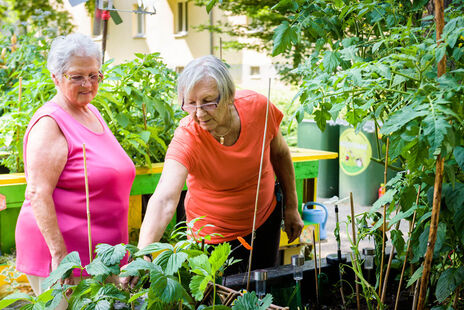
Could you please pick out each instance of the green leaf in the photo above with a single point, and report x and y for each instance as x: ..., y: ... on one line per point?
x: 401, y: 215
x: 331, y: 61
x: 110, y: 255
x: 459, y: 156
x: 8, y: 300
x: 98, y: 268
x: 448, y: 282
x: 198, y: 286
x: 175, y: 262
x: 249, y: 301
x: 210, y: 5
x: 435, y: 129
x: 65, y: 268
x: 284, y: 36
x: 440, y: 52
x: 145, y: 136
x: 153, y: 248
x: 416, y: 276
x: 200, y: 265
x: 122, y: 119
x: 103, y: 305
x: 219, y: 256
x: 112, y: 292
x: 385, y: 199
x: 164, y: 287
x: 135, y: 267
x: 401, y: 118
x: 397, y: 240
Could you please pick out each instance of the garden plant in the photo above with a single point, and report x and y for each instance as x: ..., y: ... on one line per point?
x: 176, y: 279
x: 378, y: 61
x: 135, y: 98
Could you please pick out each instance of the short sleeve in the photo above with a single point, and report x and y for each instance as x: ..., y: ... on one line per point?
x: 180, y: 148
x: 276, y: 116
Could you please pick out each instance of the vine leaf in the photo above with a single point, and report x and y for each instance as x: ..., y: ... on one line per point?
x: 459, y: 156
x: 449, y: 280
x: 71, y: 261
x: 284, y: 36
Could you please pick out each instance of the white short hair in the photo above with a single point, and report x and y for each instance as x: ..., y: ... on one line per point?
x: 206, y: 66
x: 64, y: 47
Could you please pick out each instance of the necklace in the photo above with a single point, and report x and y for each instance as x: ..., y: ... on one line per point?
x: 221, y: 137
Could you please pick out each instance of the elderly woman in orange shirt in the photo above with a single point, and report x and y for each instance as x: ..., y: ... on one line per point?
x: 216, y: 149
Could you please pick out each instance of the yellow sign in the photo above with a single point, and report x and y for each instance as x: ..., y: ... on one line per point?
x: 355, y: 152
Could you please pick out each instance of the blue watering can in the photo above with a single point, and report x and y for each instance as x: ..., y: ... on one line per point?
x: 316, y: 216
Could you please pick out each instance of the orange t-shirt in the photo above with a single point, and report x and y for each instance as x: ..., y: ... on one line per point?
x: 222, y: 180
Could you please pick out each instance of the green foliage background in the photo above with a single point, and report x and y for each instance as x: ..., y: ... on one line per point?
x: 143, y: 84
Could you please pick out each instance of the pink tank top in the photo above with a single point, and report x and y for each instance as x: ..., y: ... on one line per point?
x: 110, y: 175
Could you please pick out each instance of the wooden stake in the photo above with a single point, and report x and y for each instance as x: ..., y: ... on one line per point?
x: 387, y: 272
x: 144, y: 112
x: 408, y: 247
x: 441, y: 69
x: 87, y: 205
x: 253, y: 231
x: 432, y: 233
x: 384, y: 230
x: 353, y: 228
x: 18, y: 129
x: 315, y: 266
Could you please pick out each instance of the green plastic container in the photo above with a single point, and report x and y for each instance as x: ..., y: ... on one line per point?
x: 14, y: 199
x: 358, y: 173
x: 311, y: 137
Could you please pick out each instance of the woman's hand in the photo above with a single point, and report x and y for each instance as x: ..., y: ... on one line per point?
x: 56, y: 260
x: 131, y: 281
x: 293, y: 224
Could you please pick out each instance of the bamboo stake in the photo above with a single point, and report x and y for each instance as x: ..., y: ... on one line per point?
x: 408, y: 247
x: 441, y: 69
x: 432, y: 233
x: 315, y: 266
x: 353, y: 228
x: 416, y: 294
x: 144, y: 112
x: 253, y: 231
x: 387, y: 271
x: 384, y: 230
x: 87, y: 206
x: 18, y: 129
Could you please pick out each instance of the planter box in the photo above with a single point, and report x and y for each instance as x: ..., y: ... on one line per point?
x: 13, y: 186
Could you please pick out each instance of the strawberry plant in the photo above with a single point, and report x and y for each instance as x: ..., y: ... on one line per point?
x: 176, y: 278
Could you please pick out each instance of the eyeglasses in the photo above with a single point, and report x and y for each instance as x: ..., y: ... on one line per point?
x: 191, y: 107
x: 81, y: 79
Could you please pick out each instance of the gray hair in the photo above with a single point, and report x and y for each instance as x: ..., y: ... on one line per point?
x: 64, y: 47
x: 206, y: 66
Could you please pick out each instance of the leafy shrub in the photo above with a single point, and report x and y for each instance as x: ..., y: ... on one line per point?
x: 135, y: 99
x: 177, y: 278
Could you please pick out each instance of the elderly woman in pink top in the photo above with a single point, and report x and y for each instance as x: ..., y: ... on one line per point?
x: 53, y: 220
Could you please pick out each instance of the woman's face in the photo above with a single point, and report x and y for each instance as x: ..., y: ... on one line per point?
x: 205, y: 92
x: 79, y: 84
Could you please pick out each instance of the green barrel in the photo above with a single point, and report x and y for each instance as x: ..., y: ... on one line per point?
x: 311, y: 137
x: 358, y: 173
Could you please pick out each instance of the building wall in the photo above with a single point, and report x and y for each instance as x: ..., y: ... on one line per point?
x: 176, y: 50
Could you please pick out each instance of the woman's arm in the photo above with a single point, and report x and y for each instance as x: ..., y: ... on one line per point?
x: 281, y: 160
x: 163, y: 203
x: 46, y: 156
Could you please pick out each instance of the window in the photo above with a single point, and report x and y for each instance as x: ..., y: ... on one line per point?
x: 139, y: 23
x: 182, y: 18
x: 254, y: 71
